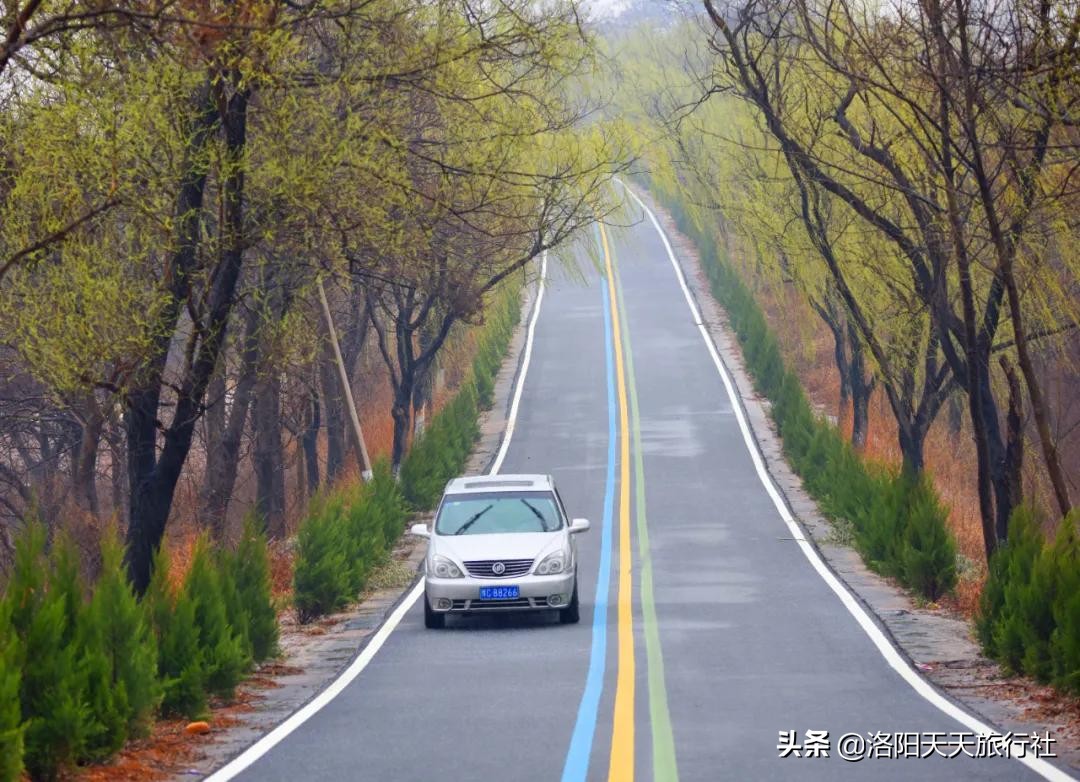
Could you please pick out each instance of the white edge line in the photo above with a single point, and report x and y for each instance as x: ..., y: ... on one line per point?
x: 248, y: 757
x: 884, y: 646
x: 511, y: 418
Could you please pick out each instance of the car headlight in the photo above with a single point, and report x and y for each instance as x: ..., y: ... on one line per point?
x: 553, y: 563
x: 441, y: 567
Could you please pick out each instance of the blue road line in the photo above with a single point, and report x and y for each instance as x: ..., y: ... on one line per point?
x: 577, y: 757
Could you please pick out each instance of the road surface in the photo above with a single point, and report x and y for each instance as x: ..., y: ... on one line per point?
x: 705, y: 629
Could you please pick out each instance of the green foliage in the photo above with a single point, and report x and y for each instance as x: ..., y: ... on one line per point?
x: 899, y: 523
x: 322, y: 576
x: 179, y: 662
x: 928, y: 553
x: 221, y: 646
x: 1029, y: 616
x: 11, y: 726
x: 52, y: 687
x: 250, y: 569
x: 346, y: 535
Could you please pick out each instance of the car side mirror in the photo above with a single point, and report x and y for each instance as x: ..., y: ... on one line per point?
x: 579, y: 525
x: 420, y: 530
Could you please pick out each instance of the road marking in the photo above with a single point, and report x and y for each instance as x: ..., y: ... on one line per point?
x: 887, y: 650
x: 621, y: 766
x: 246, y: 758
x: 665, y: 767
x: 511, y: 419
x: 576, y: 767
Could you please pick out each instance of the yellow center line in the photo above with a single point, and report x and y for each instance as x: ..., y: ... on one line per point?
x: 621, y: 767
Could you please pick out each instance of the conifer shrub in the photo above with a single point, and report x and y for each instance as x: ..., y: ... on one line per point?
x: 1065, y: 637
x: 928, y: 556
x: 11, y: 724
x: 52, y: 691
x: 221, y: 646
x: 250, y: 567
x: 1029, y: 614
x: 322, y: 573
x: 236, y: 613
x: 171, y: 614
x: 119, y: 652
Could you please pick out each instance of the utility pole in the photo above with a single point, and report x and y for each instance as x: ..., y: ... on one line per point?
x: 346, y: 390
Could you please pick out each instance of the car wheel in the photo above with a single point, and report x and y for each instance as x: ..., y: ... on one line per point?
x: 571, y: 614
x: 433, y: 620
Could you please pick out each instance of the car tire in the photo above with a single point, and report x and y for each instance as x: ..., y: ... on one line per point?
x: 572, y: 613
x: 433, y: 620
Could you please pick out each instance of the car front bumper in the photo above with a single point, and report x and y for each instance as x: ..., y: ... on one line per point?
x: 462, y: 595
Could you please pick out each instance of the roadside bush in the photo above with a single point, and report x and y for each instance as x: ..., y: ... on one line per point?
x: 221, y: 645
x: 249, y: 566
x: 11, y: 725
x: 52, y: 688
x: 387, y: 503
x: 1029, y: 617
x: 899, y: 523
x: 171, y: 614
x: 347, y: 534
x: 322, y: 577
x: 119, y: 652
x: 928, y: 553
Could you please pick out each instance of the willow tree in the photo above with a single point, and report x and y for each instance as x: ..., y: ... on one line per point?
x: 492, y: 168
x: 949, y: 146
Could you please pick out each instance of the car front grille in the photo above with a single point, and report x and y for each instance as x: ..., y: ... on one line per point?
x: 499, y: 605
x: 484, y: 568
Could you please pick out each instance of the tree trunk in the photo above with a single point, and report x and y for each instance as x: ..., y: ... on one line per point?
x: 117, y: 470
x: 269, y: 463
x: 862, y: 388
x: 956, y: 413
x: 84, y: 462
x: 215, y: 421
x: 402, y: 415
x: 152, y: 479
x: 912, y: 439
x: 221, y: 473
x: 1014, y: 436
x: 1038, y: 404
x: 422, y: 389
x: 309, y: 441
x: 334, y: 407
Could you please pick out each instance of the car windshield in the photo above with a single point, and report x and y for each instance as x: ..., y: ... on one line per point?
x: 498, y: 512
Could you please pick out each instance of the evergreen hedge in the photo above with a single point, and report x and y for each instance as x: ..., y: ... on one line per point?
x: 899, y: 522
x: 1029, y: 614
x: 347, y: 533
x: 85, y: 666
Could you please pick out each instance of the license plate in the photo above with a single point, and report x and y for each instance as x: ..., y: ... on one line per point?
x: 499, y: 593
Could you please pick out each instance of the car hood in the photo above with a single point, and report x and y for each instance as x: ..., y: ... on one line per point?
x: 519, y: 545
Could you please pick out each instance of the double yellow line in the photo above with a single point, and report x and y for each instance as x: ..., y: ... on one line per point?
x: 621, y: 766
x: 621, y: 761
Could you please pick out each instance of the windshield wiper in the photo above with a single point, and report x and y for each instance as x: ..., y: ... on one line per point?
x: 538, y: 514
x: 473, y: 518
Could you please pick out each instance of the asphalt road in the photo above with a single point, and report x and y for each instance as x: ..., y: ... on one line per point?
x: 693, y: 654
